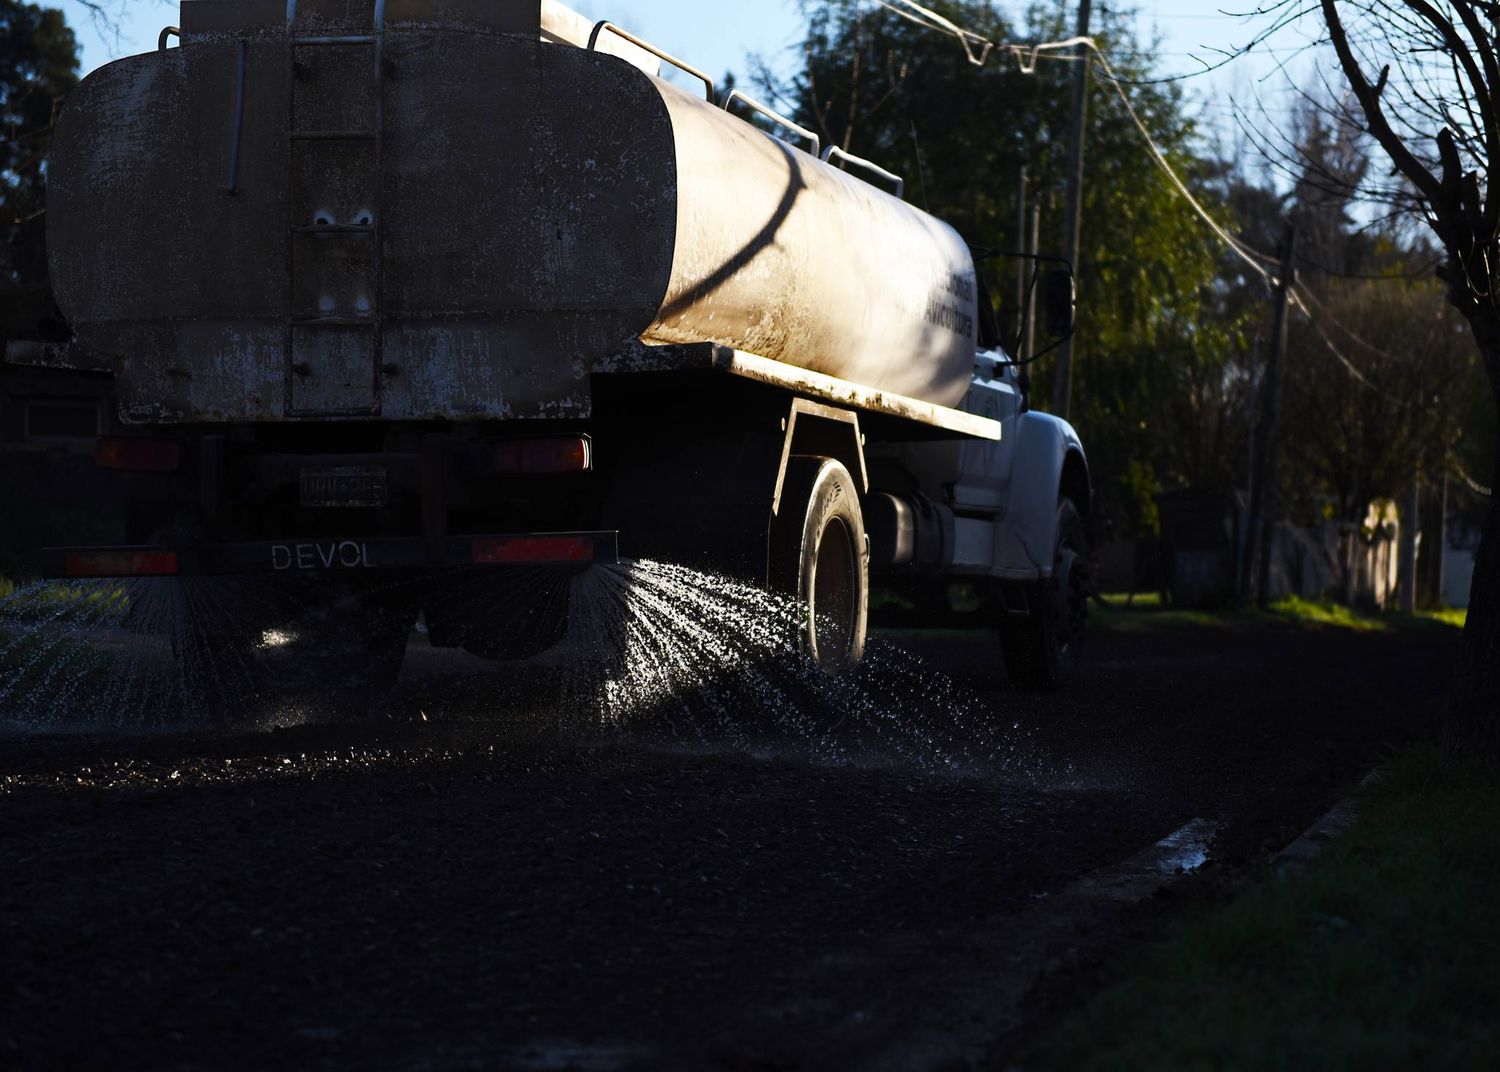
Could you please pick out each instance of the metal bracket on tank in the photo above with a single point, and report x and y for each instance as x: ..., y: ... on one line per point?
x: 771, y: 113
x: 665, y: 57
x: 834, y: 150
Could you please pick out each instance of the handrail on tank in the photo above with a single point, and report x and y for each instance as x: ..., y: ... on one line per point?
x: 161, y: 38
x: 666, y: 57
x: 770, y: 113
x: 834, y: 150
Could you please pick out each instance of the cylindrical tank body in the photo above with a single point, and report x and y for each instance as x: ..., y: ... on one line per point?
x: 454, y: 218
x: 782, y: 255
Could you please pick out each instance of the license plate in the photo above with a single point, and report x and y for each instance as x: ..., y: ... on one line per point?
x: 345, y: 485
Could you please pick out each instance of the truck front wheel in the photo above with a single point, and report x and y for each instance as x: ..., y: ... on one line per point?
x: 819, y: 555
x: 1041, y: 649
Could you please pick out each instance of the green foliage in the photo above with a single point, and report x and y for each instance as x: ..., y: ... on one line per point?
x: 89, y: 600
x: 1322, y: 613
x: 1453, y: 617
x: 1363, y: 440
x: 38, y: 66
x: 1145, y: 612
x: 1382, y: 955
x: 1138, y: 487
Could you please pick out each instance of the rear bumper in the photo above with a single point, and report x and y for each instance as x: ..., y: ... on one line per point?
x: 321, y: 556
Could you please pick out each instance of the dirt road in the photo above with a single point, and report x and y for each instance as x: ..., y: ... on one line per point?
x: 472, y: 892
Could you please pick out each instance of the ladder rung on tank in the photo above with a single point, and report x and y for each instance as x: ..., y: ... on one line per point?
x: 335, y: 127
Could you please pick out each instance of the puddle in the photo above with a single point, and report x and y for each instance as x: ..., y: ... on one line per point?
x: 1185, y: 849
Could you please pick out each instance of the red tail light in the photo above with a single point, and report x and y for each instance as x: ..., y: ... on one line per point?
x: 121, y: 563
x: 139, y: 455
x: 552, y: 454
x: 496, y: 550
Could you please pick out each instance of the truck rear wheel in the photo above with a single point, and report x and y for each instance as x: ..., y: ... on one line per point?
x: 1041, y: 650
x: 819, y: 555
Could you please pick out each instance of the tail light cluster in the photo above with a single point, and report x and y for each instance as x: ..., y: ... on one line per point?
x: 543, y: 455
x: 139, y: 455
x: 499, y: 550
x: 142, y: 563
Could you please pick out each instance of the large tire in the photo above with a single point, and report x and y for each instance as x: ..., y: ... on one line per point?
x: 1042, y: 649
x: 819, y: 555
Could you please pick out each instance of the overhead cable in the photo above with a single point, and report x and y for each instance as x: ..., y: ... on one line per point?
x: 922, y: 16
x: 978, y: 49
x: 1332, y: 347
x: 1463, y: 474
x: 1348, y: 331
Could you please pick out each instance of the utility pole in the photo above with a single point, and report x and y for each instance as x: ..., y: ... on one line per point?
x: 1062, y: 384
x: 1033, y: 247
x: 1262, y: 486
x: 1406, y: 567
x: 1440, y: 553
x: 1023, y: 268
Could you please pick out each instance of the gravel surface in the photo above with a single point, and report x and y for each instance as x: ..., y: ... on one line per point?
x: 476, y: 891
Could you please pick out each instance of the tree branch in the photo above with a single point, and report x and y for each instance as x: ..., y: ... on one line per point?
x: 1379, y: 126
x: 1485, y: 45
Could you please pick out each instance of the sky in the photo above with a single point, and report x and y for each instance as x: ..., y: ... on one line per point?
x: 717, y: 35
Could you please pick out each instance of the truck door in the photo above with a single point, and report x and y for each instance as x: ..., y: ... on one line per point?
x: 984, y: 466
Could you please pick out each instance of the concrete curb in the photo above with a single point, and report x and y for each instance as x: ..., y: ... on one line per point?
x: 1002, y: 960
x: 1316, y: 838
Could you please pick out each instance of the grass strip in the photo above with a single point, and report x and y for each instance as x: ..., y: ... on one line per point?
x: 1384, y: 953
x: 1146, y: 613
x: 63, y: 601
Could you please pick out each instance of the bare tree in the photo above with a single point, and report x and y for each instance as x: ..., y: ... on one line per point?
x: 1425, y: 82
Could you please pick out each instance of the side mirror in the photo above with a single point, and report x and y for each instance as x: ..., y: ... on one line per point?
x: 1059, y: 301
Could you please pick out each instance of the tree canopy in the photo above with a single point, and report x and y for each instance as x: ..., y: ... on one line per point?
x: 38, y: 66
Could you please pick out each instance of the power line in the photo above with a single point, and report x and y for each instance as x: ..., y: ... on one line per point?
x: 1350, y: 332
x: 914, y: 12
x: 1463, y: 474
x: 1256, y: 260
x: 1027, y: 57
x: 1359, y: 377
x: 1424, y: 272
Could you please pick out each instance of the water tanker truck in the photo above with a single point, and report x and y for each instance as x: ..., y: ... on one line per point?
x: 414, y: 306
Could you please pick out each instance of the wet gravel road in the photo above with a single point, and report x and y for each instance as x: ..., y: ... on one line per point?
x: 472, y: 892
